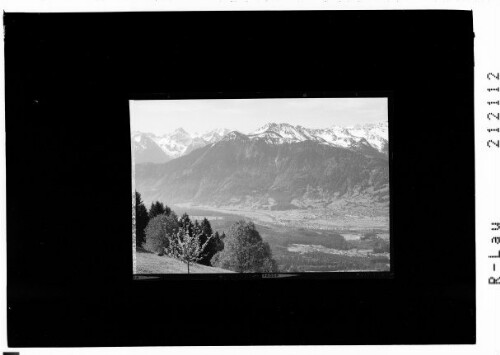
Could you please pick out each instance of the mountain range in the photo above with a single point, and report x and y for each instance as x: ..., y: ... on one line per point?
x: 279, y: 166
x: 152, y: 148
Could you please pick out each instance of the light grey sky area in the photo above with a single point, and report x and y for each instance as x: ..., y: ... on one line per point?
x: 246, y: 115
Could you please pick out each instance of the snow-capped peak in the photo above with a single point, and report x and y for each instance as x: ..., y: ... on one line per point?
x: 374, y: 134
x: 286, y: 131
x: 234, y: 135
x: 271, y: 126
x: 215, y: 135
x: 377, y: 134
x: 179, y: 142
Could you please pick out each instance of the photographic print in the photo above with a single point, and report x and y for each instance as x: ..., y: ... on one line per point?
x: 295, y: 185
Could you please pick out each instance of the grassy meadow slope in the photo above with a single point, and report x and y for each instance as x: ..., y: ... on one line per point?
x: 148, y: 263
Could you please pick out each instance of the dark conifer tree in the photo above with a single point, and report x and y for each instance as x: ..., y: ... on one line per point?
x: 214, y: 245
x: 168, y: 210
x: 141, y: 220
x: 156, y: 209
x: 218, y: 239
x: 206, y: 227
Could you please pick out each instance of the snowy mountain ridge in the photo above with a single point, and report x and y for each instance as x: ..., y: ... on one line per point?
x: 376, y: 135
x: 179, y: 142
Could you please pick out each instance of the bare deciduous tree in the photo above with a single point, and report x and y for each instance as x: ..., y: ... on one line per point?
x: 188, y: 247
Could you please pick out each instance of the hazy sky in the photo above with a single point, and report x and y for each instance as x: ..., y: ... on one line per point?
x: 163, y: 116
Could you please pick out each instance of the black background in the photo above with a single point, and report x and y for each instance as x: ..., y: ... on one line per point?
x: 68, y: 81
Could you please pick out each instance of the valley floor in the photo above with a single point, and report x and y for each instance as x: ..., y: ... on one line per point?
x: 307, y: 240
x: 317, y: 218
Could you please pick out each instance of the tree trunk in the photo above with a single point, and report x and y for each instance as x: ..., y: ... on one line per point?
x: 188, y: 267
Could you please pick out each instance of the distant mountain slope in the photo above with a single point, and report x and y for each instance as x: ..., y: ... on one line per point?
x: 269, y: 169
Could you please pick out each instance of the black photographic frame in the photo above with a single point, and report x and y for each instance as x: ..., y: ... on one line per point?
x: 68, y: 81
